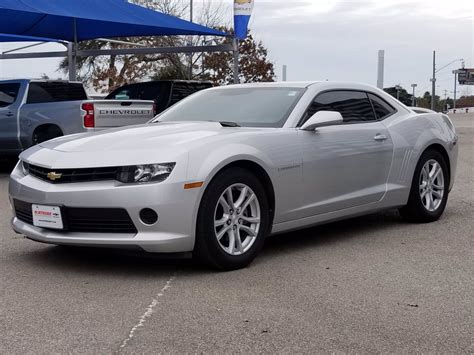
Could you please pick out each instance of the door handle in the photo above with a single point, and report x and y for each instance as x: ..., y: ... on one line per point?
x: 380, y: 137
x: 9, y: 114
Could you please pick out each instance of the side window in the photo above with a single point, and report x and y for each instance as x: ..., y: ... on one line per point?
x: 43, y: 92
x: 181, y: 91
x: 8, y: 94
x: 354, y: 106
x: 381, y: 107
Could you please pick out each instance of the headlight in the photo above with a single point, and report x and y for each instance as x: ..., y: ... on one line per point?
x: 145, y: 173
x: 25, y: 168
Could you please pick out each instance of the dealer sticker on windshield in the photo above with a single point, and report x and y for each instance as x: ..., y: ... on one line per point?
x: 47, y: 217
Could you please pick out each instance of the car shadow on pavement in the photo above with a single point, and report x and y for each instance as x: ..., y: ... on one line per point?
x: 123, y: 262
x: 104, y: 261
x: 342, y: 231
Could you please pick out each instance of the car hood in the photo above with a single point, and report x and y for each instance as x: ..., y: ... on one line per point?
x: 142, y: 144
x: 141, y: 137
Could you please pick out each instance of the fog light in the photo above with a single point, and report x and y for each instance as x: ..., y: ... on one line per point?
x: 148, y: 216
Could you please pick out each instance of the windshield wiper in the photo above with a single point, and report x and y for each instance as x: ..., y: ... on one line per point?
x: 229, y: 124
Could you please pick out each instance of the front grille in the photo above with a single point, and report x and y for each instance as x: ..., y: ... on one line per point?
x: 85, y: 220
x: 62, y: 176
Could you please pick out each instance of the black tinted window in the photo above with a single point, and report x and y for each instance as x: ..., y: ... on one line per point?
x: 183, y: 90
x: 381, y: 107
x: 137, y: 92
x: 354, y: 106
x: 8, y: 94
x: 55, y: 92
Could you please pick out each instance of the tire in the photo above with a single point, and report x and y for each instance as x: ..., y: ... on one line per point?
x: 419, y: 209
x: 249, y: 223
x: 43, y: 134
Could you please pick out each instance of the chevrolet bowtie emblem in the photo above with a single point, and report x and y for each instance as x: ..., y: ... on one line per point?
x: 54, y: 176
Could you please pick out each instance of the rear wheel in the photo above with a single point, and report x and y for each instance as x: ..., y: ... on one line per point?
x: 429, y: 190
x: 45, y: 133
x: 233, y: 220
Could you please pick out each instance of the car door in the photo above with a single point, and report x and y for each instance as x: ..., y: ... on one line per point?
x: 346, y: 165
x: 8, y: 117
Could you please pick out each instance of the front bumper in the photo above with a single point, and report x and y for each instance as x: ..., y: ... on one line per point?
x: 173, y: 233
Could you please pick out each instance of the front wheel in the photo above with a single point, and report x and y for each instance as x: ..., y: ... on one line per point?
x: 429, y: 190
x: 233, y: 220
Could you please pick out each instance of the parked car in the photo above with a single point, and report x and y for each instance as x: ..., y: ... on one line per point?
x: 165, y: 93
x: 218, y: 172
x: 34, y: 111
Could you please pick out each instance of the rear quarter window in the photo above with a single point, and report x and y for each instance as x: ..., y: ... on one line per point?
x: 55, y: 92
x: 8, y: 94
x: 382, y: 108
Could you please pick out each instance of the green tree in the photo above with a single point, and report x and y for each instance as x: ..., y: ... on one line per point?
x: 403, y: 94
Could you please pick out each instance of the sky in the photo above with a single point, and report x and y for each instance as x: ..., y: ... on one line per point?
x: 339, y: 40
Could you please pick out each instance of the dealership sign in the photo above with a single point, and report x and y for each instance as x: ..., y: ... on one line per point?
x: 242, y: 12
x: 466, y: 76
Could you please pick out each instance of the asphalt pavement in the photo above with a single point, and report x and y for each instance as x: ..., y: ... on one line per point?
x: 367, y: 285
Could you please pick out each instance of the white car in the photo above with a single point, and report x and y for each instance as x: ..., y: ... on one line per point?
x: 226, y: 167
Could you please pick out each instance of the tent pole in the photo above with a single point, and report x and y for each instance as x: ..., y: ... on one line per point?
x: 236, y: 61
x: 71, y: 52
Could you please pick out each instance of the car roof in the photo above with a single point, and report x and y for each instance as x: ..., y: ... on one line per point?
x: 305, y: 84
x: 154, y: 82
x: 276, y: 84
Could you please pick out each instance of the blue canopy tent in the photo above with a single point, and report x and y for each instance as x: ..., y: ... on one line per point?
x: 79, y: 20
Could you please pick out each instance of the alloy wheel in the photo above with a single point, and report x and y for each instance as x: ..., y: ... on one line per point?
x: 237, y: 219
x: 431, y: 185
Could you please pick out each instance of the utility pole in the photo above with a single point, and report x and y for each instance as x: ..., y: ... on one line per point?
x: 284, y: 72
x: 433, y: 81
x: 446, y: 99
x: 413, y: 101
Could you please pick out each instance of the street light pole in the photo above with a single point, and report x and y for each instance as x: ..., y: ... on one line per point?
x: 398, y: 88
x: 413, y: 104
x: 191, y: 9
x: 455, y: 72
x: 433, y: 81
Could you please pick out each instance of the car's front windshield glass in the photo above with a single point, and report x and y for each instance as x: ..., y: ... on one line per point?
x: 244, y: 106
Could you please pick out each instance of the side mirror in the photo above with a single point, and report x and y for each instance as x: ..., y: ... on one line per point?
x: 322, y: 119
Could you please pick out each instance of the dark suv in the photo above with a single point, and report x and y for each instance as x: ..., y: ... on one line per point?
x: 164, y: 93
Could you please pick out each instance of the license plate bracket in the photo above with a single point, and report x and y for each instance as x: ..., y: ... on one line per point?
x: 45, y: 216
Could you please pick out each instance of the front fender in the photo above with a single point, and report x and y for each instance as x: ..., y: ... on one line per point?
x: 204, y: 167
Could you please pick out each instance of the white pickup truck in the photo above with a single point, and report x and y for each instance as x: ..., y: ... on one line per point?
x: 33, y: 111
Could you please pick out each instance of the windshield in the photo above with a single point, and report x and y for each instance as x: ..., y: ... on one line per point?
x: 246, y: 107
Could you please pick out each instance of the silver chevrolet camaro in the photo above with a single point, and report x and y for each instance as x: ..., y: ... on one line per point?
x: 221, y: 170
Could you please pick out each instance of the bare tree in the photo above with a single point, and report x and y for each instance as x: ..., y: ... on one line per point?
x: 253, y: 63
x: 105, y: 73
